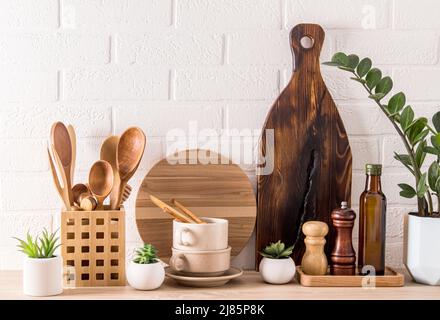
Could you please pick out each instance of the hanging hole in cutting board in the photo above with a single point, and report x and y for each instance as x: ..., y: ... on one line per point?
x: 307, y: 42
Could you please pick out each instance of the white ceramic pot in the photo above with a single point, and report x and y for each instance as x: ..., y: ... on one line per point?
x: 43, y: 277
x: 422, y: 248
x: 201, y: 263
x: 277, y: 271
x: 145, y: 276
x: 212, y: 235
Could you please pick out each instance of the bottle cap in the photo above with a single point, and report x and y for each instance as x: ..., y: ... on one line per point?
x: 373, y: 169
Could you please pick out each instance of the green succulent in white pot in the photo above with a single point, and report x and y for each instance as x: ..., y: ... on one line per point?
x: 420, y: 137
x: 42, y: 269
x: 145, y: 271
x: 277, y: 267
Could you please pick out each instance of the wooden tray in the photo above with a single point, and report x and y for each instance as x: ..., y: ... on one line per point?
x: 391, y: 279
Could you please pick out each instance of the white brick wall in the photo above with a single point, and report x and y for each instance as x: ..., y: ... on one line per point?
x: 159, y: 64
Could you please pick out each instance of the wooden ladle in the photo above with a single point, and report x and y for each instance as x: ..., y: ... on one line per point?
x: 130, y: 150
x: 78, y: 191
x: 109, y: 153
x: 62, y: 143
x: 101, y: 181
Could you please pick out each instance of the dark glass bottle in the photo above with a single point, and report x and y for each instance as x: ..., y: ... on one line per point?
x: 372, y: 222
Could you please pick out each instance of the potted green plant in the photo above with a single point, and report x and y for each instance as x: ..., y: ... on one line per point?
x: 420, y: 138
x: 277, y: 267
x: 42, y: 270
x: 145, y: 271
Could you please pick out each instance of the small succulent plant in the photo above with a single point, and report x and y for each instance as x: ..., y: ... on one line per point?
x: 42, y: 247
x: 277, y: 250
x: 146, y: 255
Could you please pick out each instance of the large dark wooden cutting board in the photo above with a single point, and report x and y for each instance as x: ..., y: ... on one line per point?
x: 205, y: 182
x: 310, y: 153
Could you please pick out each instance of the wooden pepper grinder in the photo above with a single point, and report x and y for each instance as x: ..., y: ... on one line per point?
x: 314, y: 261
x: 343, y: 258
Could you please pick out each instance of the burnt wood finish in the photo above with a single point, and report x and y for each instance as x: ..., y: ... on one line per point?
x: 310, y: 153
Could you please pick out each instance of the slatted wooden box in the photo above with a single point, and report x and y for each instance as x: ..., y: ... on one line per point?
x: 93, y: 248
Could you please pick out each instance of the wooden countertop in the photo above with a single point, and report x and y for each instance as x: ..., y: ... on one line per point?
x: 249, y: 286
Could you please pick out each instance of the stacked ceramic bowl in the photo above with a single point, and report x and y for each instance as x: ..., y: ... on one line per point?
x: 201, y: 250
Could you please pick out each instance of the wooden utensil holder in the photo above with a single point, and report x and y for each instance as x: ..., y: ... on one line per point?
x: 93, y: 247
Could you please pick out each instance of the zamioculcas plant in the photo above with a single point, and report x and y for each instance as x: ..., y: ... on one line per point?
x: 418, y: 135
x: 146, y: 255
x: 277, y: 250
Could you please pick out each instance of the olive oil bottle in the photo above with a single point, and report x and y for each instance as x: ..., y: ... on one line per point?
x: 372, y: 223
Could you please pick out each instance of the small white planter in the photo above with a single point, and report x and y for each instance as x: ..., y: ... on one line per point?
x: 145, y: 276
x: 43, y: 277
x: 277, y: 271
x: 422, y: 249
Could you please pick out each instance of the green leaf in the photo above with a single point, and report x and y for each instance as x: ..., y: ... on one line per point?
x: 405, y: 160
x: 432, y: 150
x: 415, y: 129
x: 376, y: 96
x: 384, y: 86
x: 332, y: 64
x: 363, y: 67
x: 353, y: 61
x: 435, y: 140
x: 421, y: 136
x: 421, y: 186
x: 406, y: 118
x: 407, y: 191
x: 436, y: 121
x: 420, y: 153
x: 373, y: 78
x: 346, y: 68
x: 340, y: 58
x: 433, y: 174
x: 437, y: 186
x: 396, y: 103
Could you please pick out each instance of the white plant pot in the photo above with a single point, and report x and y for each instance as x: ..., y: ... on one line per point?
x: 422, y: 249
x: 145, y: 276
x: 277, y: 271
x: 43, y: 277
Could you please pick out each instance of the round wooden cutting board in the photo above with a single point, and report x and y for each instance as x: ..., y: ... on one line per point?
x: 208, y: 184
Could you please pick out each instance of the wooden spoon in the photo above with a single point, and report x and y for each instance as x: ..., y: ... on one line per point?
x: 101, y: 181
x: 109, y: 153
x: 130, y: 150
x: 78, y: 191
x: 72, y: 136
x: 63, y: 146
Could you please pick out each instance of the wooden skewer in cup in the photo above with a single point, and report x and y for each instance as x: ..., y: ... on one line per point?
x: 166, y: 208
x: 188, y: 212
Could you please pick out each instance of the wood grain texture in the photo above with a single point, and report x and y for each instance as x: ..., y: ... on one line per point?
x: 93, y: 247
x: 310, y: 153
x: 391, y: 279
x: 219, y: 189
x: 250, y: 286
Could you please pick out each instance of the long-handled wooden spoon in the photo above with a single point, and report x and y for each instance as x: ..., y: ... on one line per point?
x: 130, y: 150
x: 185, y: 210
x: 101, y: 181
x: 62, y: 144
x: 72, y: 136
x: 109, y: 153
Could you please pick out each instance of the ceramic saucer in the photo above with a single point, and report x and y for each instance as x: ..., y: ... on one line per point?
x: 216, y: 281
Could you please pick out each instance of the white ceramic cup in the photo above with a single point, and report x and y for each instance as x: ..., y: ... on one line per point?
x: 201, y: 263
x: 212, y: 235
